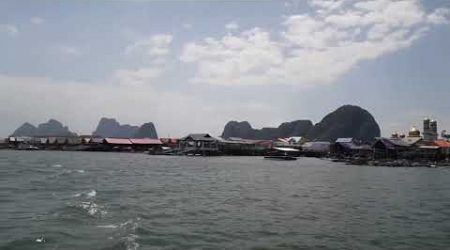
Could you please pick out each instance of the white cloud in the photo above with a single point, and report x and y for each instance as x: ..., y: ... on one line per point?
x: 235, y: 59
x: 439, y: 16
x: 326, y: 5
x: 138, y: 77
x: 232, y: 26
x: 154, y: 46
x: 37, y: 20
x: 315, y: 48
x: 9, y: 29
x: 154, y: 52
x: 67, y: 50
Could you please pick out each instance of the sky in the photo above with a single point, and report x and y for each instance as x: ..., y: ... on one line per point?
x: 192, y: 66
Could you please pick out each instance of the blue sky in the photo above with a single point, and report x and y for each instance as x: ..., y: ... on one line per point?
x: 191, y: 66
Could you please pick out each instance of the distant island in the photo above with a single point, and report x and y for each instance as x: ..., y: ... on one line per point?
x: 50, y: 128
x: 244, y: 130
x: 347, y: 121
x: 107, y: 127
x: 349, y: 134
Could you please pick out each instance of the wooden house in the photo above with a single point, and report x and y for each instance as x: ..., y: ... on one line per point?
x: 117, y: 144
x: 146, y: 144
x: 444, y: 147
x: 199, y: 144
x: 316, y: 148
x: 389, y: 148
x: 348, y: 147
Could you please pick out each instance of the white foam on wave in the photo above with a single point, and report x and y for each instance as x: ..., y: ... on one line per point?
x: 130, y: 242
x: 91, y: 193
x: 126, y: 223
x: 110, y: 226
x: 40, y: 239
x: 57, y: 165
x: 126, y: 231
x: 92, y: 208
x: 81, y: 171
x: 130, y: 226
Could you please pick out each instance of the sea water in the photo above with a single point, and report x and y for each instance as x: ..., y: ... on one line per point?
x: 82, y: 200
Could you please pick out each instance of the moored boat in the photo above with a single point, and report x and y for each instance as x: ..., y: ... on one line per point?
x: 281, y: 157
x: 284, y: 154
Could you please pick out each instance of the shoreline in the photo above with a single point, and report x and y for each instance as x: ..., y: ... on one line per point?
x: 389, y: 163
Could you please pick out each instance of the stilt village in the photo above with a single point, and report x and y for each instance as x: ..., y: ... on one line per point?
x: 415, y: 148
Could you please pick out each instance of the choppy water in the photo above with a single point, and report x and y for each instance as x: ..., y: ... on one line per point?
x: 72, y: 200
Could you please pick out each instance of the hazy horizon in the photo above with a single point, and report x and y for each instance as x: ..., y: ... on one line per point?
x: 192, y: 66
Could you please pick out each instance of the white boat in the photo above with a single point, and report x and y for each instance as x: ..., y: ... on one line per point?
x: 282, y: 153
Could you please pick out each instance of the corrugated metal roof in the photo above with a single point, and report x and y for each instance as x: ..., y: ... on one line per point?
x: 411, y: 140
x: 241, y: 141
x: 316, y: 146
x: 200, y: 137
x: 442, y: 143
x: 96, y: 140
x: 392, y: 143
x: 118, y: 141
x: 146, y: 141
x: 344, y: 140
x: 283, y: 140
x: 353, y: 146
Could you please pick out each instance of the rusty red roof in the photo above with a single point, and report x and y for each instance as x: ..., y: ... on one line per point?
x: 442, y: 143
x: 145, y: 141
x: 119, y: 141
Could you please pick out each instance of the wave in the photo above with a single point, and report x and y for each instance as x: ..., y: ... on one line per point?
x: 92, y: 208
x: 109, y: 226
x: 91, y: 194
x: 40, y: 239
x: 130, y: 242
x: 126, y: 232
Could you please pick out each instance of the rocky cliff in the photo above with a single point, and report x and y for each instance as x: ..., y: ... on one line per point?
x: 26, y: 129
x: 50, y: 128
x: 346, y: 121
x: 287, y: 129
x: 147, y: 130
x: 108, y: 127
